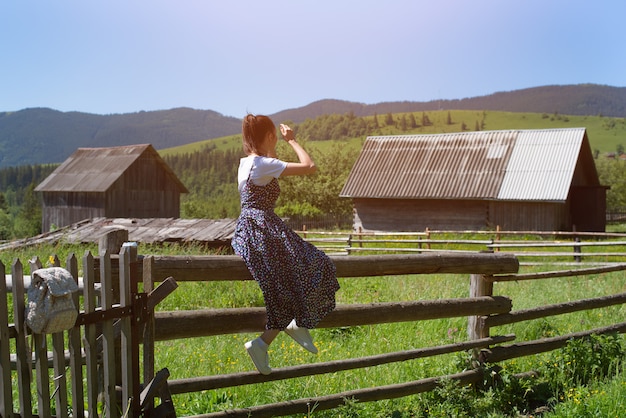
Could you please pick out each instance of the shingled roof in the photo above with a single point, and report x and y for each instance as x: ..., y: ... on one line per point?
x: 97, y: 169
x: 531, y: 165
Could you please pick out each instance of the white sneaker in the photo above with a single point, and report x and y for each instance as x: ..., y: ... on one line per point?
x: 302, y: 336
x: 259, y: 356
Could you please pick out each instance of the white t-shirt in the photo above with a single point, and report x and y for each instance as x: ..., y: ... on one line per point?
x: 261, y: 170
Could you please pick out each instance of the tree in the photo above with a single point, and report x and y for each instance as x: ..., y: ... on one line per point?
x: 319, y: 193
x: 28, y: 221
x: 403, y: 124
x: 4, y: 207
x: 612, y: 172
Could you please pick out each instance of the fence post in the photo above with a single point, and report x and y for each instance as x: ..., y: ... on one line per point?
x: 74, y: 343
x: 148, y: 333
x: 577, y: 250
x: 111, y: 242
x: 6, y: 395
x: 479, y: 286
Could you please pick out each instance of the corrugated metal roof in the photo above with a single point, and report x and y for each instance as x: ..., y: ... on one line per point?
x: 542, y: 165
x: 96, y: 169
x: 510, y: 165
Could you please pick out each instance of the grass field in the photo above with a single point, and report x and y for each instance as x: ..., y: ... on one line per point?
x: 225, y: 354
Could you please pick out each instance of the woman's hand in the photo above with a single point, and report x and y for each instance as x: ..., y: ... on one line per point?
x: 287, y: 132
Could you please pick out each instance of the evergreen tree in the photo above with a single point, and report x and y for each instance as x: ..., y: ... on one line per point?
x: 403, y: 124
x: 28, y: 221
x: 4, y: 207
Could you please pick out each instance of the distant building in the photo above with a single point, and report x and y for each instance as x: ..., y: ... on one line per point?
x: 116, y: 182
x: 522, y: 180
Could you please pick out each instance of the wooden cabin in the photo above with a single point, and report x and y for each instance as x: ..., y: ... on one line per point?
x: 519, y: 180
x: 118, y: 182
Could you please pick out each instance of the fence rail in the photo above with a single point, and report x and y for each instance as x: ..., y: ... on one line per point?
x: 585, y: 246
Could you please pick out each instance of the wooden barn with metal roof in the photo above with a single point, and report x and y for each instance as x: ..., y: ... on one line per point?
x: 118, y: 182
x: 519, y: 180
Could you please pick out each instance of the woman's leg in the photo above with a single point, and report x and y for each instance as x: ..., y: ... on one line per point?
x: 269, y: 335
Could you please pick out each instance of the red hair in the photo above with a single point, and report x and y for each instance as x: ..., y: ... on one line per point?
x: 254, y: 130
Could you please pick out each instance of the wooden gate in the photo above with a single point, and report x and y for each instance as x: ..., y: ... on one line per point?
x: 94, y: 368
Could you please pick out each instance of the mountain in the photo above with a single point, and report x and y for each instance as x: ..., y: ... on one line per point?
x: 41, y: 135
x: 580, y: 99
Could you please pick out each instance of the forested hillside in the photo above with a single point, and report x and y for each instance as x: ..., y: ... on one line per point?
x: 582, y: 100
x: 39, y: 135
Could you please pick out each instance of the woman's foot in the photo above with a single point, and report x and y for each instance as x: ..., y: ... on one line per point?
x: 302, y: 336
x: 257, y: 349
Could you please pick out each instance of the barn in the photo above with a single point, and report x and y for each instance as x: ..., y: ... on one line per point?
x: 116, y: 182
x: 518, y: 180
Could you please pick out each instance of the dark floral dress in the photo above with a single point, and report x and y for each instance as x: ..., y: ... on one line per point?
x: 297, y: 280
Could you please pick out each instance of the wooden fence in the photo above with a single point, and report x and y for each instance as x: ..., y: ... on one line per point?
x: 544, y: 246
x: 133, y: 315
x: 483, y: 309
x: 95, y: 366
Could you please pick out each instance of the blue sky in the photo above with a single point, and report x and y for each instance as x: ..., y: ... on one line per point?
x: 235, y: 56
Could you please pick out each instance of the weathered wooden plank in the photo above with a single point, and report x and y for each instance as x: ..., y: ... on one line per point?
x: 185, y: 324
x: 223, y: 267
x: 60, y: 379
x: 129, y: 364
x: 75, y: 349
x: 148, y: 335
x: 91, y: 349
x: 108, y: 338
x: 303, y: 406
x: 23, y: 360
x: 6, y: 391
x: 42, y: 379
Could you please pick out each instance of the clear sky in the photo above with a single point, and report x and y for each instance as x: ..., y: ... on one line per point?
x: 235, y: 56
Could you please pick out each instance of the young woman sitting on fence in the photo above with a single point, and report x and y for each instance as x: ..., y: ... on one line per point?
x: 298, y: 281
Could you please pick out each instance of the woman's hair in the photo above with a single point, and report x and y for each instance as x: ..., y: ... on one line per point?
x: 254, y: 129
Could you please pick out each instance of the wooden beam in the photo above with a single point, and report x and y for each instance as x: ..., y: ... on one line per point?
x: 556, y: 309
x: 225, y: 267
x: 307, y: 405
x: 200, y: 323
x: 527, y: 348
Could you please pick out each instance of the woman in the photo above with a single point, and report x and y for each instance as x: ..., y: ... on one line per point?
x: 298, y: 281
